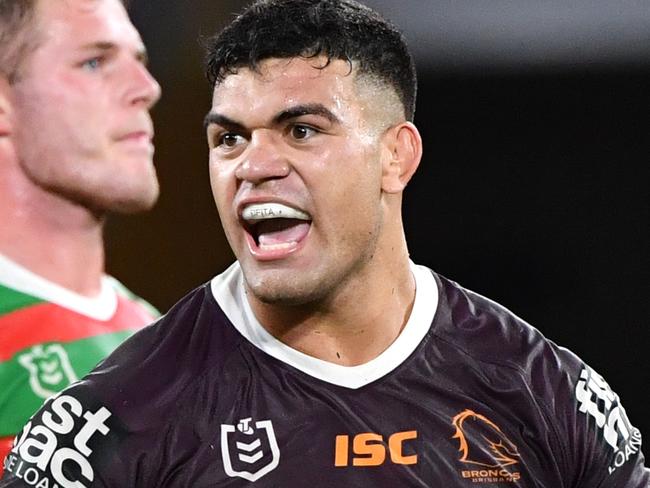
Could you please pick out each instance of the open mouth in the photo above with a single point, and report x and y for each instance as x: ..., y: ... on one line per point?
x: 275, y: 229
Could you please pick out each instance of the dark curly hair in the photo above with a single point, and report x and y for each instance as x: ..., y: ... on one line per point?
x: 337, y: 29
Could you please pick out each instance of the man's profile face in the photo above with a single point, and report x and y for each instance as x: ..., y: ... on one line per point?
x: 295, y: 139
x: 81, y: 103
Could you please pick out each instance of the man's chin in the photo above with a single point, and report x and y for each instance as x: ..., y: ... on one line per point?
x: 283, y: 290
x: 135, y: 206
x: 120, y: 203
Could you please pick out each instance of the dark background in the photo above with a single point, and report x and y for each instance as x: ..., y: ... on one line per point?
x: 533, y: 189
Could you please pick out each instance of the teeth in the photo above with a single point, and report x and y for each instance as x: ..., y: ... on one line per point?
x: 277, y: 247
x: 263, y: 211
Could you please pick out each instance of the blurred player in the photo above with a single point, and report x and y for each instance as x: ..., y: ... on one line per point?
x: 75, y: 144
x: 324, y: 357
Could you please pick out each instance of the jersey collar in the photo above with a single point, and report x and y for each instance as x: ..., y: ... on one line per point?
x: 228, y: 290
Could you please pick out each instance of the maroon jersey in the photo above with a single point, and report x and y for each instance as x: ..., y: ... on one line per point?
x: 468, y: 395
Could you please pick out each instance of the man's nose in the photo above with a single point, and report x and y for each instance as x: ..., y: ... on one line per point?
x: 264, y: 159
x: 143, y: 88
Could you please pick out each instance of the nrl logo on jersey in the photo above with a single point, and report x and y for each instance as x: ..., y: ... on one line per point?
x: 249, y: 450
x: 49, y: 369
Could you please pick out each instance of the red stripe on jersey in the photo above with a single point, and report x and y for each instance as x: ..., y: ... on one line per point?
x: 5, y: 447
x: 48, y: 322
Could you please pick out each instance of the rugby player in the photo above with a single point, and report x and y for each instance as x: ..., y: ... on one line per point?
x: 324, y: 357
x: 75, y: 144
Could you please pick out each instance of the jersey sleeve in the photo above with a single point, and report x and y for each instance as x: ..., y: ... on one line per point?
x: 72, y: 441
x: 601, y: 446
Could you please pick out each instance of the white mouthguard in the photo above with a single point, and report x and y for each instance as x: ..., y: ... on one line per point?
x: 263, y: 211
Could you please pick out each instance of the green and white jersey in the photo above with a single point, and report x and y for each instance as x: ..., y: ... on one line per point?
x: 50, y: 337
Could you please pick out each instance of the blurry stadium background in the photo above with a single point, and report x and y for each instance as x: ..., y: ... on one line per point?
x: 534, y: 185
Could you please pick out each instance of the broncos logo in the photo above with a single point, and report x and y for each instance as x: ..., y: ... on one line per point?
x: 482, y: 442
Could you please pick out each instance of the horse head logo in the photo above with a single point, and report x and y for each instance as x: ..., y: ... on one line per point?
x: 482, y: 442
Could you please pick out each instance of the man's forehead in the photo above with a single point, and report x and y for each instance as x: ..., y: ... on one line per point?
x: 70, y: 9
x: 287, y: 81
x: 279, y: 85
x: 278, y: 71
x: 85, y: 22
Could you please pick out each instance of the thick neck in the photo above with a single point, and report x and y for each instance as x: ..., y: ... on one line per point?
x: 50, y: 235
x: 361, y: 319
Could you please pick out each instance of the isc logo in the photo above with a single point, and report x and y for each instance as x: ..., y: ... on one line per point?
x: 370, y: 449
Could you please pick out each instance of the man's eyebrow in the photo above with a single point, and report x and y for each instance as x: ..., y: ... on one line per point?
x: 100, y: 46
x: 284, y: 115
x: 306, y: 109
x: 222, y: 120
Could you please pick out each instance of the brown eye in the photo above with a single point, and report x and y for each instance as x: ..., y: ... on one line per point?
x: 301, y: 132
x: 229, y: 140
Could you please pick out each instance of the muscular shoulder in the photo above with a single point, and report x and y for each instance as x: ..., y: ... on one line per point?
x: 510, y: 359
x: 489, y: 333
x: 164, y: 358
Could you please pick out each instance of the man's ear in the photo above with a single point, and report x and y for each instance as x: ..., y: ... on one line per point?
x: 403, y: 146
x: 5, y: 107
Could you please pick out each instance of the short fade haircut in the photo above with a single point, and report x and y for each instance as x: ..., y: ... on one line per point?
x: 337, y: 29
x: 17, y: 34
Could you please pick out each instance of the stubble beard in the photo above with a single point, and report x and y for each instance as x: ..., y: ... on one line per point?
x: 320, y: 287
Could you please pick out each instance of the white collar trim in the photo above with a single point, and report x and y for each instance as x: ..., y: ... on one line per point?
x: 101, y: 307
x: 228, y: 290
